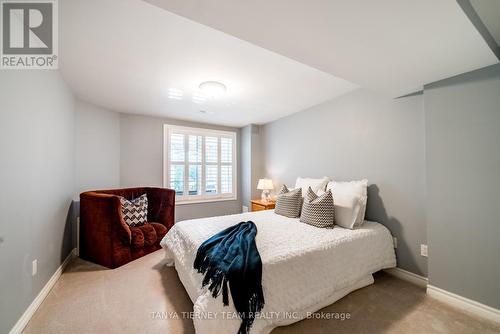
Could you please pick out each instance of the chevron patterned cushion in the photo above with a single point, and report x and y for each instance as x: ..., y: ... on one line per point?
x: 135, y: 212
x: 288, y: 202
x: 318, y: 210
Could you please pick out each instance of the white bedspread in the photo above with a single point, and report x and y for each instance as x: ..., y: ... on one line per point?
x: 304, y: 268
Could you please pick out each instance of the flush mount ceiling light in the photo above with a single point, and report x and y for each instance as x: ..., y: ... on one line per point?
x: 213, y: 88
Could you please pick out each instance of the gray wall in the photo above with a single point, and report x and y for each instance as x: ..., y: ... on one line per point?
x: 258, y: 160
x: 141, y: 162
x: 361, y: 135
x: 246, y: 165
x: 252, y: 162
x: 463, y: 184
x: 37, y: 170
x: 97, y: 148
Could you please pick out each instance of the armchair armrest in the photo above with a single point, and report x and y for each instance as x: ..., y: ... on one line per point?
x: 101, y: 216
x: 161, y: 206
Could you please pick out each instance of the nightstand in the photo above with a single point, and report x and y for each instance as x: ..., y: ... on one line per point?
x: 259, y: 205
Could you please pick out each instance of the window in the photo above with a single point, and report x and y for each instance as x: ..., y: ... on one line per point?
x: 199, y: 164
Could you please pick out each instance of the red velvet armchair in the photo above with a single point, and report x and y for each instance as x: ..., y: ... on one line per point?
x: 107, y: 240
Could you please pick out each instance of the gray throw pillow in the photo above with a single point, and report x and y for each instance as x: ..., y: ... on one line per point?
x: 318, y: 210
x: 288, y: 203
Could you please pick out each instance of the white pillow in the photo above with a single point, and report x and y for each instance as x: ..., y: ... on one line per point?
x: 347, y: 209
x: 357, y: 189
x: 315, y: 184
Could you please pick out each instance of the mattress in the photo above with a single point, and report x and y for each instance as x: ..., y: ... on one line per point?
x: 304, y: 268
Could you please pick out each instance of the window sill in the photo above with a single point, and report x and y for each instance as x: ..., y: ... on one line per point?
x: 201, y: 201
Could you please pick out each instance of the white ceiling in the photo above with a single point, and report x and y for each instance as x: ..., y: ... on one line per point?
x: 489, y: 12
x: 127, y: 55
x: 392, y: 46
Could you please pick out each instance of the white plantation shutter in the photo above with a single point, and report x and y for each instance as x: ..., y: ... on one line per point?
x: 177, y: 155
x: 226, y: 175
x: 195, y: 148
x: 195, y: 152
x: 177, y: 178
x: 226, y: 179
x: 226, y: 150
x: 211, y: 179
x: 211, y: 144
x: 177, y: 147
x: 194, y: 179
x: 200, y: 164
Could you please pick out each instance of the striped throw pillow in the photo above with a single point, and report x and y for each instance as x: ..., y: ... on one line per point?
x: 288, y: 202
x: 318, y: 210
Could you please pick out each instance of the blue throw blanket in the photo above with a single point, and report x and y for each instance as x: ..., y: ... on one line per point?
x: 231, y: 256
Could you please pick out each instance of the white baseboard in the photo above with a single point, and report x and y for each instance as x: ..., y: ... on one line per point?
x: 447, y: 297
x: 463, y: 303
x: 408, y: 276
x: 25, y: 318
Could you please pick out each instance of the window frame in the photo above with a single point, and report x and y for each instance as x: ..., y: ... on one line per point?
x: 168, y: 129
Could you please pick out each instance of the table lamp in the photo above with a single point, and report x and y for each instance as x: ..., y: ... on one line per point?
x: 265, y: 185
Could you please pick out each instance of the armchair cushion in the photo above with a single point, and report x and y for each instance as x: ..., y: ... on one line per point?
x: 144, y: 235
x: 137, y: 237
x: 149, y: 232
x: 160, y: 229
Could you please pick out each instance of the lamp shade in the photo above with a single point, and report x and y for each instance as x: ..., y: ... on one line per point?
x: 265, y: 184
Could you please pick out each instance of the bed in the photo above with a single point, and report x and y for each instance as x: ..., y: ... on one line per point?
x: 304, y: 268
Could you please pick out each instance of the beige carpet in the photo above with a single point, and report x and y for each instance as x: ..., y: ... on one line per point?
x: 141, y: 296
